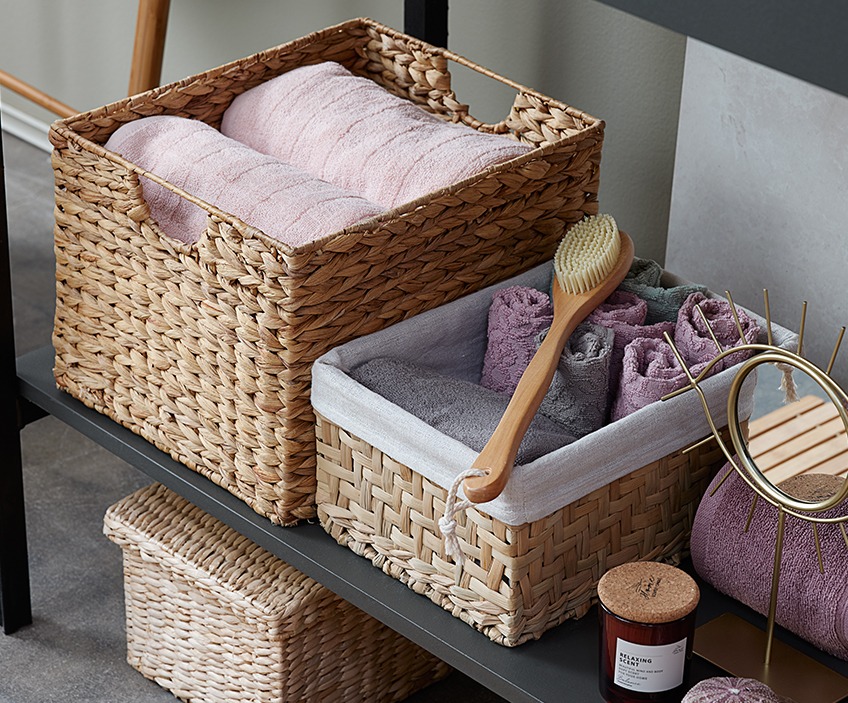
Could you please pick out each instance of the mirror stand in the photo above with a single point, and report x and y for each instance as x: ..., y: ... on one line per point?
x: 728, y: 641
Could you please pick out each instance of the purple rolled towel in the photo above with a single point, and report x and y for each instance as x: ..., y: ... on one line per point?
x: 625, y: 314
x: 516, y: 315
x: 284, y: 202
x: 811, y: 604
x: 649, y: 371
x: 693, y: 340
x: 354, y: 133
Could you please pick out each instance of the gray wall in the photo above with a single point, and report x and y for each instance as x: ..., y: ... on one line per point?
x: 598, y: 59
x: 760, y: 194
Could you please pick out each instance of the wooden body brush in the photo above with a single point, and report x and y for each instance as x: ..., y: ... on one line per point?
x: 590, y: 262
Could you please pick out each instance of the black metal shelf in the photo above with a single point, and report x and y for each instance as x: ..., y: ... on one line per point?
x: 562, y: 665
x: 564, y: 659
x: 533, y: 672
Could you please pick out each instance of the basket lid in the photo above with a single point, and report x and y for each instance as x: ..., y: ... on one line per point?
x: 166, y: 527
x: 648, y: 592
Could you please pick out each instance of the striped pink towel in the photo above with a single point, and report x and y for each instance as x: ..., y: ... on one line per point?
x: 353, y: 133
x: 285, y: 202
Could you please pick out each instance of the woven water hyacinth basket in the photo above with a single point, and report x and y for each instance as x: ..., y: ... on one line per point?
x: 214, y: 618
x: 534, y: 555
x: 205, y: 349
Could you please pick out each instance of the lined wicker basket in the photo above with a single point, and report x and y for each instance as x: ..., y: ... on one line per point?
x: 518, y: 580
x: 214, y: 618
x: 532, y: 556
x: 205, y: 350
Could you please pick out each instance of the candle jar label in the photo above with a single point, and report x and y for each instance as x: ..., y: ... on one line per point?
x: 649, y: 668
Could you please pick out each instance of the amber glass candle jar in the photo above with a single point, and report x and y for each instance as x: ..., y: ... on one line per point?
x: 647, y: 612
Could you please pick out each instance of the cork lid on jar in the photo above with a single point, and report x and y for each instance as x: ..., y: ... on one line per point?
x: 648, y: 592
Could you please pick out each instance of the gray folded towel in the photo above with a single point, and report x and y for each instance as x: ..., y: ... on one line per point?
x: 460, y: 409
x: 578, y: 397
x: 643, y: 279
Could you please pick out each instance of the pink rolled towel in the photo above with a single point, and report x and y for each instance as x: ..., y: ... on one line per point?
x: 516, y: 315
x: 811, y: 604
x: 625, y: 314
x: 284, y: 202
x: 354, y: 133
x: 694, y: 342
x: 649, y: 371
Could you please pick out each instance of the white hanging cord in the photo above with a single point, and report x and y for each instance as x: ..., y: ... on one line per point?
x: 447, y: 523
x: 787, y: 383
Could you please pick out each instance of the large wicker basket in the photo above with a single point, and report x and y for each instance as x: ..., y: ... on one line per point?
x: 626, y: 492
x: 214, y: 618
x: 205, y: 350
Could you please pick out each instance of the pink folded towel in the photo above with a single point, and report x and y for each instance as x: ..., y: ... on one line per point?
x: 625, y: 314
x: 694, y: 342
x: 517, y: 314
x: 812, y: 605
x: 352, y: 132
x: 284, y: 202
x: 649, y: 371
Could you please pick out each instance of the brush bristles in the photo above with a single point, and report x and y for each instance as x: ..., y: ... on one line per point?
x: 587, y: 254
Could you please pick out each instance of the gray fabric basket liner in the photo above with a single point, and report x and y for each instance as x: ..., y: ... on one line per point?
x: 452, y: 340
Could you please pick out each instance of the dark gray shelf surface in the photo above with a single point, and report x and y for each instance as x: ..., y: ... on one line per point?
x: 803, y: 39
x: 561, y: 666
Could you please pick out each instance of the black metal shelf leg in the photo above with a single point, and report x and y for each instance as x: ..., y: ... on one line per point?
x: 15, y: 606
x: 427, y: 20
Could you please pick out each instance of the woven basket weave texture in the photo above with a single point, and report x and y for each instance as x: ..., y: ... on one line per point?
x: 518, y: 581
x: 214, y: 618
x: 205, y: 350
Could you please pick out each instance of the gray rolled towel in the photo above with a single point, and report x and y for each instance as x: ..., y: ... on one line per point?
x: 578, y: 397
x: 460, y: 409
x: 643, y: 279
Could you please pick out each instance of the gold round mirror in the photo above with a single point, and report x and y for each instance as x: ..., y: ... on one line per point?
x: 804, y: 503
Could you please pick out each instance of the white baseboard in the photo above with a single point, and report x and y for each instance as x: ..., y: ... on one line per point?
x: 25, y: 127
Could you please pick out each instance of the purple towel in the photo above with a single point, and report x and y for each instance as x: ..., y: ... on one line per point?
x: 625, y: 314
x: 517, y: 314
x: 694, y: 342
x: 649, y: 371
x: 811, y: 604
x: 284, y: 202
x: 354, y: 133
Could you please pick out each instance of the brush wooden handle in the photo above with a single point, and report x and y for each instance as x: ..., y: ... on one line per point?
x: 498, y: 456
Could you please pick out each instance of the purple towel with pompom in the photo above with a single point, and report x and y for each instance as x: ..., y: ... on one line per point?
x: 811, y: 604
x: 284, y: 202
x: 517, y: 314
x: 354, y: 133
